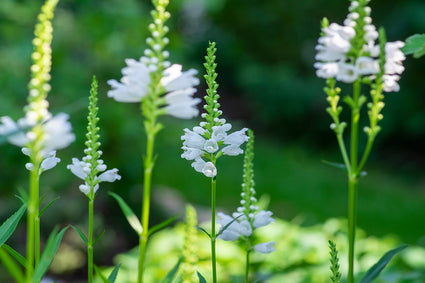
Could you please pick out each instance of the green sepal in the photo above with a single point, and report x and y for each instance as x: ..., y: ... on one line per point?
x: 14, y: 270
x: 113, y: 276
x: 9, y: 226
x: 227, y: 225
x: 201, y: 278
x: 47, y: 206
x: 82, y: 235
x: 98, y: 237
x: 19, y: 258
x: 171, y: 275
x: 374, y: 271
x: 415, y: 45
x: 203, y: 230
x: 129, y: 214
x: 163, y: 224
x: 48, y: 254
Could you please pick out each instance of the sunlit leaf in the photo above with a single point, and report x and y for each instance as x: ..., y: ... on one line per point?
x: 172, y: 274
x: 129, y: 214
x: 113, y: 276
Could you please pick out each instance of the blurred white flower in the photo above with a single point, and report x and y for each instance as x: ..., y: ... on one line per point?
x: 265, y: 248
x: 263, y: 218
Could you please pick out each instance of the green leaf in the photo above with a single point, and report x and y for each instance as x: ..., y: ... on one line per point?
x: 163, y: 224
x: 129, y: 214
x: 19, y: 258
x: 14, y: 270
x: 374, y: 271
x: 82, y: 235
x: 201, y: 278
x: 100, y: 275
x: 203, y: 230
x: 98, y: 237
x: 113, y: 276
x: 47, y: 206
x: 334, y: 164
x: 48, y: 254
x: 9, y: 226
x: 173, y: 272
x: 415, y: 45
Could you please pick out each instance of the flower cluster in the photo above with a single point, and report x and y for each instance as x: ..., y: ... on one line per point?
x: 152, y: 75
x: 91, y: 165
x: 208, y: 141
x: 248, y: 216
x: 348, y: 52
x: 38, y: 132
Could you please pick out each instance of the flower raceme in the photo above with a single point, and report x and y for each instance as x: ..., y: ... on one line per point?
x: 200, y: 144
x: 348, y: 52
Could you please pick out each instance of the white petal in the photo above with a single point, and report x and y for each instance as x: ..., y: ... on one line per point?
x: 263, y: 218
x: 50, y: 162
x: 209, y: 170
x: 236, y: 138
x: 109, y: 176
x: 232, y: 150
x: 77, y: 169
x: 265, y: 248
x: 175, y: 79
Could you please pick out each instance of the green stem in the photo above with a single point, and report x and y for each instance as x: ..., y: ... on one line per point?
x: 353, y: 179
x: 365, y: 154
x: 33, y: 212
x: 149, y: 164
x: 10, y: 264
x: 90, y: 242
x: 213, y: 235
x: 344, y: 152
x: 248, y: 252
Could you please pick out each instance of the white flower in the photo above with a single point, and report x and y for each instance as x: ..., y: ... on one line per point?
x: 265, y: 248
x: 232, y: 232
x: 209, y: 170
x: 219, y: 132
x: 263, y: 218
x: 232, y: 150
x: 109, y: 176
x: 14, y: 132
x: 390, y: 83
x: 57, y: 133
x: 347, y: 73
x: 236, y: 138
x: 211, y: 145
x: 326, y: 70
x: 134, y: 83
x: 191, y: 153
x: 49, y: 160
x: 193, y: 139
x: 367, y: 66
x: 181, y: 104
x: 175, y: 79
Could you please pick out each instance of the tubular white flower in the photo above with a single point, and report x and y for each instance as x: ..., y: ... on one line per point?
x: 77, y: 169
x: 14, y: 133
x: 347, y: 73
x: 326, y: 70
x: 50, y: 161
x: 182, y: 104
x: 209, y: 170
x: 211, y: 145
x: 232, y: 150
x: 192, y: 139
x: 134, y: 83
x: 367, y: 66
x: 265, y: 248
x: 174, y: 79
x: 236, y: 138
x: 57, y: 133
x: 191, y: 153
x: 109, y: 176
x: 263, y: 218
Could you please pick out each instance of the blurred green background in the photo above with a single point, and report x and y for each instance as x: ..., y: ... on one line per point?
x: 267, y: 82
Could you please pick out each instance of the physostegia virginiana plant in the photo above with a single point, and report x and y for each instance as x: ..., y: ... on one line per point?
x: 161, y: 88
x: 351, y: 55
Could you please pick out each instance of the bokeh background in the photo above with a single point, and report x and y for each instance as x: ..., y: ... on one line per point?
x: 267, y: 82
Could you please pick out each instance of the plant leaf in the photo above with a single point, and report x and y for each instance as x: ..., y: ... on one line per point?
x: 98, y: 237
x: 47, y: 206
x: 163, y: 224
x: 11, y: 266
x: 9, y: 226
x: 415, y: 45
x: 201, y: 278
x: 172, y: 273
x: 82, y: 236
x: 48, y: 254
x: 113, y: 276
x: 129, y: 214
x: 335, y: 164
x: 374, y: 271
x: 100, y: 275
x: 203, y: 230
x: 19, y: 258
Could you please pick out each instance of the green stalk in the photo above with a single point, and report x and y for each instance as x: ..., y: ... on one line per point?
x: 149, y: 164
x: 213, y: 235
x: 248, y: 252
x: 90, y: 240
x: 353, y: 180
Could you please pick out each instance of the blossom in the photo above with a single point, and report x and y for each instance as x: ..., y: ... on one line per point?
x: 263, y: 218
x: 82, y: 170
x: 237, y: 228
x: 49, y: 160
x: 265, y: 248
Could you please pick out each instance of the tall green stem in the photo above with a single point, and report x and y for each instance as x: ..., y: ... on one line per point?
x: 353, y: 179
x: 248, y: 252
x: 213, y: 235
x: 90, y: 242
x: 149, y: 164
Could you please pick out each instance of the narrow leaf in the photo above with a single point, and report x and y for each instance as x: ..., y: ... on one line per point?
x: 203, y: 230
x: 163, y: 224
x: 98, y: 237
x: 47, y: 206
x: 227, y: 225
x: 201, y: 278
x: 113, y: 276
x: 129, y: 214
x: 374, y: 271
x: 19, y: 258
x: 172, y: 273
x: 9, y: 226
x: 49, y: 252
x: 11, y: 266
x: 100, y: 274
x: 82, y: 236
x: 334, y: 164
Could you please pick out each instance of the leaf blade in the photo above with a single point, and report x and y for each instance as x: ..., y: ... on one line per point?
x: 172, y: 273
x: 9, y: 226
x: 129, y: 214
x: 113, y: 276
